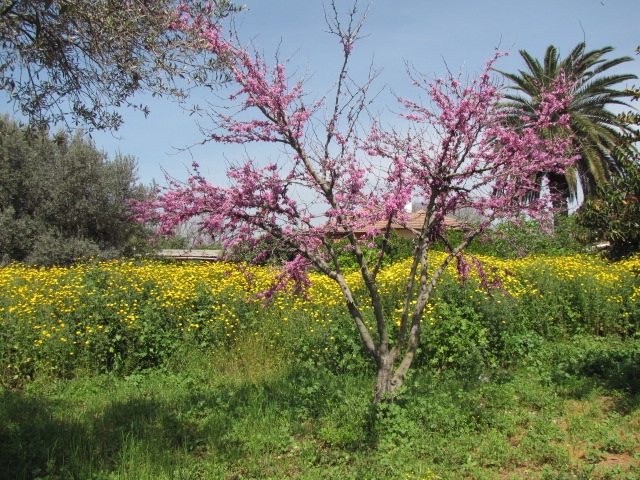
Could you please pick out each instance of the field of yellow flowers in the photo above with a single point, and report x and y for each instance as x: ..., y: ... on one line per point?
x: 127, y: 315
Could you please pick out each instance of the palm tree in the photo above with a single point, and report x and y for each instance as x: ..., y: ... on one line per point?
x: 598, y: 132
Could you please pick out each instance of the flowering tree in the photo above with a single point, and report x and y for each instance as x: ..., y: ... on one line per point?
x: 456, y: 152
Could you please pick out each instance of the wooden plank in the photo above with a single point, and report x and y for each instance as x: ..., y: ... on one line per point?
x: 189, y: 254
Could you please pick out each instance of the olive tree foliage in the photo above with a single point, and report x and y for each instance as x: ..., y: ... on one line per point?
x: 341, y: 176
x: 77, y: 61
x: 61, y: 199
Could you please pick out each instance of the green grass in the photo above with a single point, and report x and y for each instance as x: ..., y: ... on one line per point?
x: 255, y: 414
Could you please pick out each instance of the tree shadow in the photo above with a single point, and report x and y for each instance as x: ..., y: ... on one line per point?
x: 616, y: 370
x: 194, y: 420
x: 31, y: 437
x: 36, y: 441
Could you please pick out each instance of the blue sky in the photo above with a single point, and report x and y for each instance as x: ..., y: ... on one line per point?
x: 429, y: 35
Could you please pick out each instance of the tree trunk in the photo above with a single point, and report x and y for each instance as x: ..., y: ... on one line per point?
x: 385, y: 383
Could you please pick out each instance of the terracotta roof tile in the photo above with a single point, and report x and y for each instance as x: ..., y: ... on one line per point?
x: 415, y: 222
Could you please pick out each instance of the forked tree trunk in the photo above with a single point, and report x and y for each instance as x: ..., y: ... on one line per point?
x: 385, y: 383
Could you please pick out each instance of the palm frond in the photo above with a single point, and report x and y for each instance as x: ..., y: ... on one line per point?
x: 600, y: 135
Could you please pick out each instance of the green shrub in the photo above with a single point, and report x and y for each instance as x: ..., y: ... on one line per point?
x: 511, y: 240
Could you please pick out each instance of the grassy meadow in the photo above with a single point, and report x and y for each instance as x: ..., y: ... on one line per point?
x: 147, y: 369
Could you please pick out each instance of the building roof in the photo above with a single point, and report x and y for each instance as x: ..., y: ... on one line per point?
x: 414, y: 223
